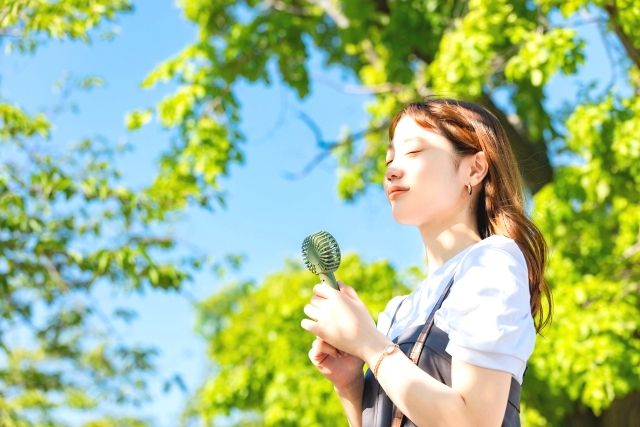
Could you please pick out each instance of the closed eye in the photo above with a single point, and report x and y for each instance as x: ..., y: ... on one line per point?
x: 409, y: 154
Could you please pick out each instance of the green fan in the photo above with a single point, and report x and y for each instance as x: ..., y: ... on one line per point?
x: 321, y: 255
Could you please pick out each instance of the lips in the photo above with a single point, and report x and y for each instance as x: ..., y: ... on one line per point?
x: 396, y: 191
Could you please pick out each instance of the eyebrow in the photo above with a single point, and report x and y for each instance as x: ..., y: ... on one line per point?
x: 419, y: 138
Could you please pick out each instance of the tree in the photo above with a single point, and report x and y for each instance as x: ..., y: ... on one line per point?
x: 68, y: 225
x: 275, y: 385
x: 579, y: 161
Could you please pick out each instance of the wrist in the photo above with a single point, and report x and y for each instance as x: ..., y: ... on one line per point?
x: 353, y: 388
x: 389, y: 349
x: 371, y: 353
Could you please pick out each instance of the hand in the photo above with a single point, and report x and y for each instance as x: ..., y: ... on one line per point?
x: 340, y: 319
x: 342, y: 369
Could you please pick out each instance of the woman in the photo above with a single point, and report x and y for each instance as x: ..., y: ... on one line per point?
x: 454, y: 351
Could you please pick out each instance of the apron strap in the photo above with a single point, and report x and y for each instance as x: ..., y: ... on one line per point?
x: 416, y: 351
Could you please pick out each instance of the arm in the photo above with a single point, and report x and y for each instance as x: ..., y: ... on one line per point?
x: 345, y: 372
x: 477, y: 397
x: 351, y: 399
x: 496, y: 293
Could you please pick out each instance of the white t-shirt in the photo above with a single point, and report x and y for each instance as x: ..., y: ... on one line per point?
x: 486, y: 315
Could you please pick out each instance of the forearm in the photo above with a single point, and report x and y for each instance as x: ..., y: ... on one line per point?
x: 351, y: 399
x: 425, y: 400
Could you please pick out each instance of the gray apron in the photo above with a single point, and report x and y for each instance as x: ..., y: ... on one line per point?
x: 377, y: 408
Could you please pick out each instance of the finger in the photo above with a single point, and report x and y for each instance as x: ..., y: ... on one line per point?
x: 310, y: 325
x: 348, y: 290
x: 316, y: 357
x: 324, y: 291
x: 315, y: 345
x: 312, y: 311
x: 317, y: 301
x: 325, y: 347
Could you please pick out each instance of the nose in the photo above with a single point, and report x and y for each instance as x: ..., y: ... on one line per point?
x: 392, y: 173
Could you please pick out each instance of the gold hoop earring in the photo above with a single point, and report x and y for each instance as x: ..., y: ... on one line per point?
x: 469, y: 188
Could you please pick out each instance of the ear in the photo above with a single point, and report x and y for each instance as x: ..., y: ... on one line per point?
x: 478, y: 168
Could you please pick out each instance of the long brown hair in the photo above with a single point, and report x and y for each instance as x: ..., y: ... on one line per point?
x: 500, y: 208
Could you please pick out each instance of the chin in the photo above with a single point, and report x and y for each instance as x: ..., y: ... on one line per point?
x: 405, y: 218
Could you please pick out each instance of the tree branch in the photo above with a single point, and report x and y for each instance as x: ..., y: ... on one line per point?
x: 328, y: 146
x: 11, y: 33
x: 382, y: 6
x: 282, y: 6
x: 360, y: 89
x: 55, y: 274
x: 612, y: 62
x: 532, y: 156
x: 332, y: 9
x: 632, y: 51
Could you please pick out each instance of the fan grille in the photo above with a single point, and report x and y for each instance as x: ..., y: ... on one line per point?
x: 321, y: 253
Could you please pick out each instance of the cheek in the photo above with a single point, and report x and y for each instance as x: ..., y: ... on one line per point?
x: 436, y: 178
x: 433, y: 194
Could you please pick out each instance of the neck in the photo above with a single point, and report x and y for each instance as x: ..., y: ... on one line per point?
x: 442, y: 243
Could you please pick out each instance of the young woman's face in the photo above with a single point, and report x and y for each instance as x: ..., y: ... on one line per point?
x: 421, y: 182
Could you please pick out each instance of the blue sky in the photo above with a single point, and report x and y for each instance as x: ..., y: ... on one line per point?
x: 267, y: 216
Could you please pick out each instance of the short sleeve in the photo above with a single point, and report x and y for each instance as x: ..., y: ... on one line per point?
x: 487, y: 313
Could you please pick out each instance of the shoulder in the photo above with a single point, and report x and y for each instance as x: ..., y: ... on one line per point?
x: 495, y: 251
x: 497, y: 263
x: 487, y: 314
x: 496, y: 268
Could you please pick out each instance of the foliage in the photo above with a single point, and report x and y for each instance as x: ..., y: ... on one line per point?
x: 69, y: 228
x: 68, y: 224
x: 32, y: 22
x: 591, y: 216
x: 260, y: 349
x: 397, y: 51
x: 579, y: 160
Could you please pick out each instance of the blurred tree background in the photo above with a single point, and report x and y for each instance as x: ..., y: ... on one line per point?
x: 68, y: 225
x: 58, y: 212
